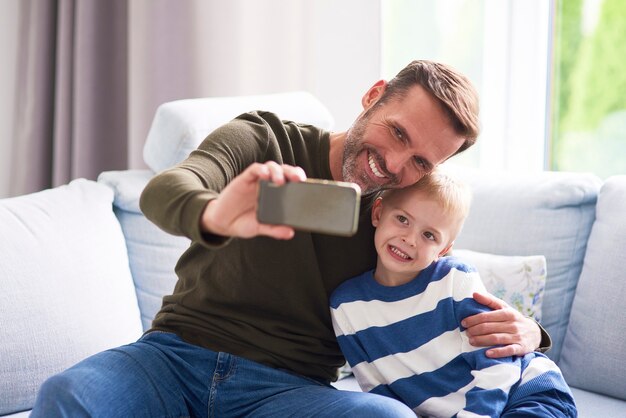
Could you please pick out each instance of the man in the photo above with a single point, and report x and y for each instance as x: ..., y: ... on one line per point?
x: 247, y: 330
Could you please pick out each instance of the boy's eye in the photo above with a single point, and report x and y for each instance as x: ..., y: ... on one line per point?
x: 402, y: 219
x: 430, y: 236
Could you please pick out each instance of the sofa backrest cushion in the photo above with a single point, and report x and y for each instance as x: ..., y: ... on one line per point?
x: 152, y: 252
x: 595, y: 343
x: 66, y: 289
x: 547, y: 214
x: 179, y: 126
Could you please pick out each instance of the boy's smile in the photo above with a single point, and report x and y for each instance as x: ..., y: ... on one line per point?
x: 412, y: 231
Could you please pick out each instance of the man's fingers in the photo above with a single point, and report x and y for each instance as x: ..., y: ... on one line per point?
x: 277, y: 174
x: 506, y: 351
x: 501, y: 315
x: 504, y: 327
x: 276, y: 231
x: 489, y: 300
x: 294, y: 173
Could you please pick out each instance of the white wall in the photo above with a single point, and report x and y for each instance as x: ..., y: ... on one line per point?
x: 9, y: 18
x: 243, y: 47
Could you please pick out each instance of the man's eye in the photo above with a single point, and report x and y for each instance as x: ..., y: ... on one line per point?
x: 420, y: 163
x: 398, y: 133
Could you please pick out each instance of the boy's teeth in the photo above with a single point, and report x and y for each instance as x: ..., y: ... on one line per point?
x: 373, y: 167
x: 399, y: 253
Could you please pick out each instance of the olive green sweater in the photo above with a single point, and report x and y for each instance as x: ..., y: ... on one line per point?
x: 262, y: 299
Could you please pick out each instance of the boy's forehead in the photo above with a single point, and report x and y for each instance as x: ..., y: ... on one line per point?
x: 407, y: 196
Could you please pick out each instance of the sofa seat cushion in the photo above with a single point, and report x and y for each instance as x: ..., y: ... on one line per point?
x: 589, y: 404
x: 67, y: 292
x: 546, y: 213
x: 595, y: 405
x: 595, y: 343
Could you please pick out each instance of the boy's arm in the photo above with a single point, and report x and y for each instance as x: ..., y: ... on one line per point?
x: 353, y: 352
x: 552, y: 403
x: 492, y: 377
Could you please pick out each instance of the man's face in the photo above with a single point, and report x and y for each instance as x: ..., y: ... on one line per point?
x: 395, y: 144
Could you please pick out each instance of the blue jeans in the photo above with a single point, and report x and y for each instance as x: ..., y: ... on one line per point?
x: 162, y: 376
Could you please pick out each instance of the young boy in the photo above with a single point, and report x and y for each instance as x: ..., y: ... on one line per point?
x: 399, y: 326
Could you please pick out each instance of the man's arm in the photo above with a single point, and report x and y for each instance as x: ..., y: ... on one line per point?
x: 505, y: 327
x: 208, y: 216
x: 212, y: 194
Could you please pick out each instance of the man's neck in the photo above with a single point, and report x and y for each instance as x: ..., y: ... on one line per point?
x: 335, y: 157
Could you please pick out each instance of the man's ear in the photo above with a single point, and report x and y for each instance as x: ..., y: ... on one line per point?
x: 376, y: 211
x: 373, y: 94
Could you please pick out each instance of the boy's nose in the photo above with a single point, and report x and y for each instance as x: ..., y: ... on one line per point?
x: 409, y: 240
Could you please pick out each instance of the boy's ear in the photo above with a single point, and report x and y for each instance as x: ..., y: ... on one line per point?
x: 376, y: 211
x: 446, y: 250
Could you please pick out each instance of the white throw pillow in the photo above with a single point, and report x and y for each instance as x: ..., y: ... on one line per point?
x: 518, y: 280
x: 66, y: 288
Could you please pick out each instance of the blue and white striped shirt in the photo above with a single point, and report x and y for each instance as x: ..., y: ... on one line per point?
x: 407, y: 342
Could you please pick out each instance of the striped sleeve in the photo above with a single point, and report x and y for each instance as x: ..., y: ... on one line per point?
x: 542, y: 391
x: 486, y: 391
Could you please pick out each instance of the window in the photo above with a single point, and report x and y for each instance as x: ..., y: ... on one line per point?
x: 550, y: 75
x: 589, y: 87
x: 478, y: 37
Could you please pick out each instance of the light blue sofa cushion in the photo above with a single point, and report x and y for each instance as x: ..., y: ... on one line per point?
x: 66, y: 289
x: 152, y: 252
x: 546, y: 213
x: 594, y: 405
x: 595, y: 344
x: 179, y: 126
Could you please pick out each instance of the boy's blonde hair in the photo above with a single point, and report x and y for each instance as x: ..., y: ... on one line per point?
x: 454, y: 195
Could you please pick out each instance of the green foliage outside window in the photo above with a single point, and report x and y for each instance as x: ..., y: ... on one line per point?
x: 589, y: 101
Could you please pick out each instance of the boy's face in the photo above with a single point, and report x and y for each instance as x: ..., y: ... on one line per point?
x: 412, y: 231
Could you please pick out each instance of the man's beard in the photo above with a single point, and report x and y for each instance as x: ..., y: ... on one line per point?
x: 351, y: 150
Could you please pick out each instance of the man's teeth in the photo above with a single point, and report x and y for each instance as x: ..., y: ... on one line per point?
x: 399, y: 253
x: 372, y: 164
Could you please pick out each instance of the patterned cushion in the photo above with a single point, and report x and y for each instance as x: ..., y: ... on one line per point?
x: 519, y: 281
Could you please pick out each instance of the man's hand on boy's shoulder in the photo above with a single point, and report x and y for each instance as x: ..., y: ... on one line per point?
x: 512, y: 333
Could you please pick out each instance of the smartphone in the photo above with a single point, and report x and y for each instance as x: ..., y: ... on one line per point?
x: 323, y: 206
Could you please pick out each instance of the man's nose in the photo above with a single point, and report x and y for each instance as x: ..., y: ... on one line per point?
x: 396, y: 161
x: 400, y: 164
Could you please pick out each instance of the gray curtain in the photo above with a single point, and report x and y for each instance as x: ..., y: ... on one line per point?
x: 91, y: 73
x: 71, y: 105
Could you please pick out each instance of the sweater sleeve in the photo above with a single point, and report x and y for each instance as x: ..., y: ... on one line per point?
x: 176, y: 198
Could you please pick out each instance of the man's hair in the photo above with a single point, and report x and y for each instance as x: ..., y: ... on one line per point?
x: 453, y: 90
x: 454, y: 195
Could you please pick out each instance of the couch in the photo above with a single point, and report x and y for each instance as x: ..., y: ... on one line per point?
x: 81, y: 269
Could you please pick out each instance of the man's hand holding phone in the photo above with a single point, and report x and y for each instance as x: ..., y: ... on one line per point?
x: 314, y: 205
x: 234, y: 212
